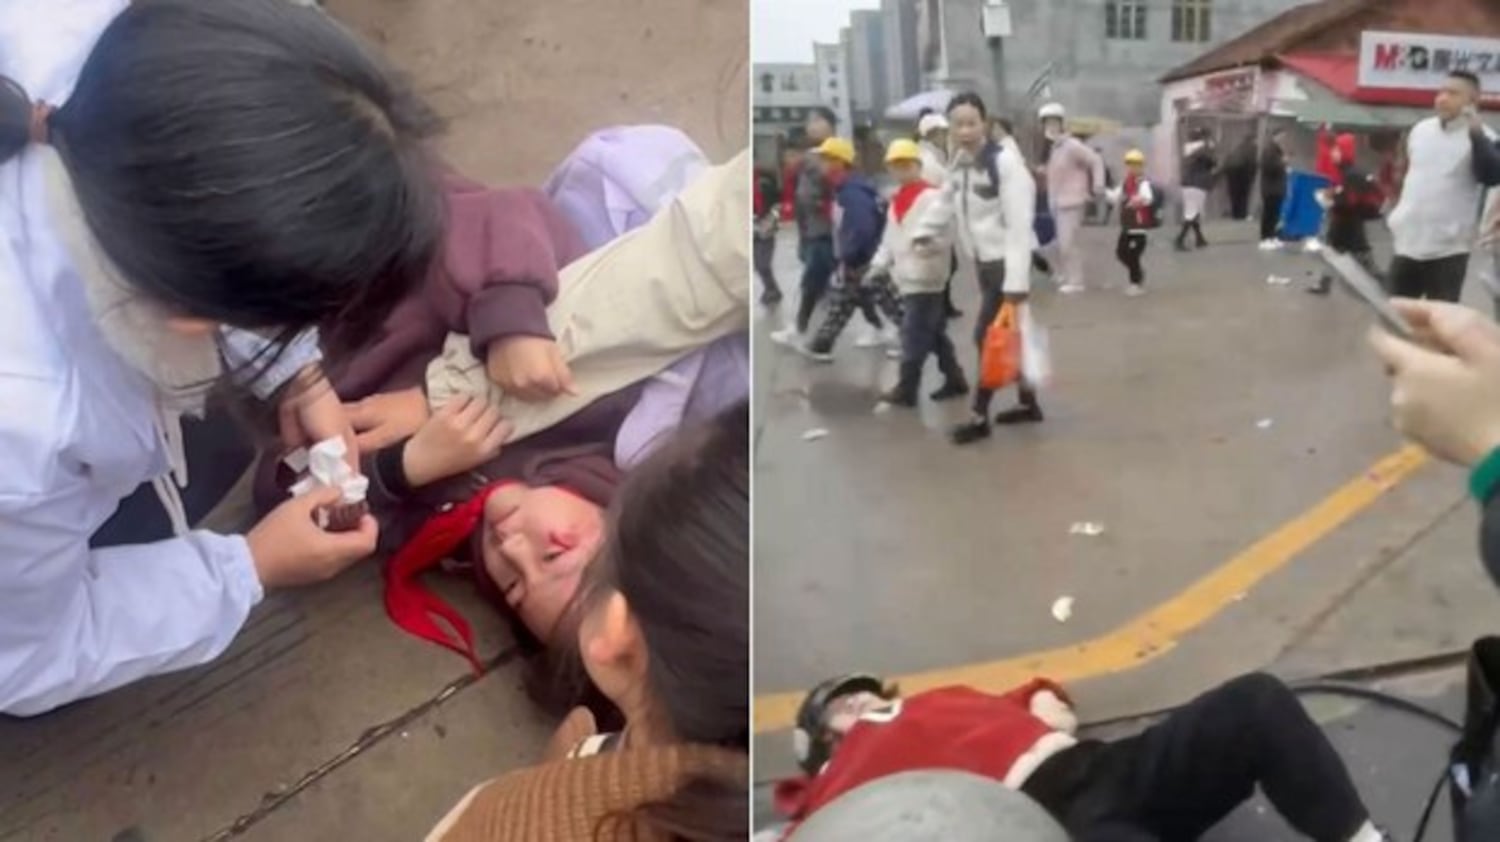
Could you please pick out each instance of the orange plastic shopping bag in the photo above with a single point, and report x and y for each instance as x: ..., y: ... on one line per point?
x: 1000, y: 358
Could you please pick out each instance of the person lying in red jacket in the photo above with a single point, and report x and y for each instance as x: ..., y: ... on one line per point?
x: 1173, y: 781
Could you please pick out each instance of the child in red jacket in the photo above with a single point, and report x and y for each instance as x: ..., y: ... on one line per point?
x: 1173, y: 781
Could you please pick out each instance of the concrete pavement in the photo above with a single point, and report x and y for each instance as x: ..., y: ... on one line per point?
x: 1197, y: 424
x: 323, y: 721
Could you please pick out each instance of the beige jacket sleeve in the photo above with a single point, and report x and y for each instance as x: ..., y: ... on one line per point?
x: 634, y: 307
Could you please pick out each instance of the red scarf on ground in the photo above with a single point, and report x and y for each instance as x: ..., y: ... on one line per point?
x: 414, y: 607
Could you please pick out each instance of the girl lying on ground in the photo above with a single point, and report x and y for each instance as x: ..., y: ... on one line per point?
x: 463, y: 461
x: 662, y: 628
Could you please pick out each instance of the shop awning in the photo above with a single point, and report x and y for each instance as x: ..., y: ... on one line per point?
x: 1323, y: 105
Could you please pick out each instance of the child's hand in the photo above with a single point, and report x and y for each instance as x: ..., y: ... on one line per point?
x: 384, y: 419
x: 464, y: 434
x: 529, y: 367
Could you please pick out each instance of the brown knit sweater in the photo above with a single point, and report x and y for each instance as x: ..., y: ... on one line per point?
x: 565, y: 800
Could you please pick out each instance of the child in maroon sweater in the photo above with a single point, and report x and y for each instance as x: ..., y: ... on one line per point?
x: 1174, y: 781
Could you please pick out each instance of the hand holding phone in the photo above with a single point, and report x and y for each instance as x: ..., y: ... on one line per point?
x: 1358, y: 280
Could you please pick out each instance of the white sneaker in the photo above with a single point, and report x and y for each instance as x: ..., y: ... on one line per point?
x: 893, y: 352
x: 868, y: 337
x: 1312, y: 246
x: 1135, y: 291
x: 787, y: 336
x: 1270, y: 245
x: 1071, y: 289
x: 890, y: 336
x: 806, y: 350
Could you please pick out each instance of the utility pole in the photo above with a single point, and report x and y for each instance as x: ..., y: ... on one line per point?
x: 995, y: 23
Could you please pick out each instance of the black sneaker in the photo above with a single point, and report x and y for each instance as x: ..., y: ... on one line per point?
x: 970, y: 431
x: 771, y: 297
x: 897, y: 396
x: 950, y: 390
x: 1021, y: 415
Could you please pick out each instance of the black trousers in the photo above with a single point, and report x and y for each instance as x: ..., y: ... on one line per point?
x: 924, y: 332
x: 1439, y: 280
x: 1270, y: 215
x: 991, y: 296
x: 1130, y: 249
x: 219, y: 451
x: 765, y: 255
x: 865, y: 295
x: 1181, y: 777
x: 1240, y: 182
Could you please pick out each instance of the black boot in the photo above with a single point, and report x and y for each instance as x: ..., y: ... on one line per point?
x: 1198, y: 230
x: 950, y: 390
x: 1322, y: 287
x: 904, y: 393
x: 1029, y: 411
x: 975, y: 429
x: 1181, y: 242
x: 772, y: 296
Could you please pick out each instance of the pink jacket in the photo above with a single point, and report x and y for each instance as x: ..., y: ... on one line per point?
x: 1074, y: 173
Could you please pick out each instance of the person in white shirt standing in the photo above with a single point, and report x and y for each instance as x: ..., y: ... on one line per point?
x: 992, y: 197
x: 1451, y: 159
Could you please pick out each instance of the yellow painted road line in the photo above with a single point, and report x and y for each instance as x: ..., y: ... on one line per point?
x: 1156, y: 632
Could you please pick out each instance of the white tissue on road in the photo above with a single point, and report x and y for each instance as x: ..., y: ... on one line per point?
x: 1265, y: 423
x: 326, y: 467
x: 1092, y: 530
x: 1062, y: 609
x: 815, y: 434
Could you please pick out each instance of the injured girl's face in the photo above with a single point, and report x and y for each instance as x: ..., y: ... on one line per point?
x: 537, y: 542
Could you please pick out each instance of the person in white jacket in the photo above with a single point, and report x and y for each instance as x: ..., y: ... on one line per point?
x: 992, y: 198
x: 932, y: 140
x: 206, y: 166
x: 920, y: 275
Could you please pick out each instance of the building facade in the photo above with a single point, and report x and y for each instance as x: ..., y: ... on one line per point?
x: 1102, y: 58
x: 783, y: 95
x: 832, y: 62
x: 867, y: 66
x: 903, y: 75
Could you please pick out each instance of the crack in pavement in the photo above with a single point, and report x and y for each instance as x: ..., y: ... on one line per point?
x: 277, y: 798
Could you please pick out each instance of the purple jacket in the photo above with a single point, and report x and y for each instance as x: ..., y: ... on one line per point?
x: 495, y: 277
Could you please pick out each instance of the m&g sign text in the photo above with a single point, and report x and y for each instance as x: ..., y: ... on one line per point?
x: 1418, y: 61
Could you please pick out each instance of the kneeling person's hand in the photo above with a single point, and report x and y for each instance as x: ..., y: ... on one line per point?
x: 289, y: 548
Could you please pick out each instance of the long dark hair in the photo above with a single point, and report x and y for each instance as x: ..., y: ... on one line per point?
x: 679, y: 552
x: 972, y: 100
x: 250, y: 163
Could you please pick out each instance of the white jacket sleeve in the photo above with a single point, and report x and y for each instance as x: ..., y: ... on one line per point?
x: 940, y: 212
x: 1018, y: 205
x: 884, y: 257
x: 75, y: 621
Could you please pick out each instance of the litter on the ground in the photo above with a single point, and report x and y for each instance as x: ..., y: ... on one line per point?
x: 1265, y: 423
x: 1278, y: 280
x: 1092, y: 530
x: 1062, y: 609
x: 882, y: 408
x: 815, y: 433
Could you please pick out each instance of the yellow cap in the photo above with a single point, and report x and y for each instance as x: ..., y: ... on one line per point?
x: 1135, y: 156
x: 838, y: 149
x: 902, y: 149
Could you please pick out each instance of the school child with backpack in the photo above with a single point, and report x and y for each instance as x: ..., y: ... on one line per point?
x: 920, y: 274
x: 1140, y: 211
x: 1353, y: 199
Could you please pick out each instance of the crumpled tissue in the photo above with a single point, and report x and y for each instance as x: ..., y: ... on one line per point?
x: 325, y: 466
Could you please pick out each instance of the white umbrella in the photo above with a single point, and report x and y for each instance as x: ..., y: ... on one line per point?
x: 911, y: 107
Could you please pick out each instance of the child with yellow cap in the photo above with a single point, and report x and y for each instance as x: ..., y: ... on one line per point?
x: 1140, y: 211
x: 920, y: 274
x: 858, y: 224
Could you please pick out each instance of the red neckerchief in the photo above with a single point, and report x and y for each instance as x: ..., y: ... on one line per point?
x: 906, y: 197
x: 410, y: 604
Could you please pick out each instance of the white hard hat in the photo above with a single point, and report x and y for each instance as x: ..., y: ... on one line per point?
x: 1053, y: 109
x: 930, y: 123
